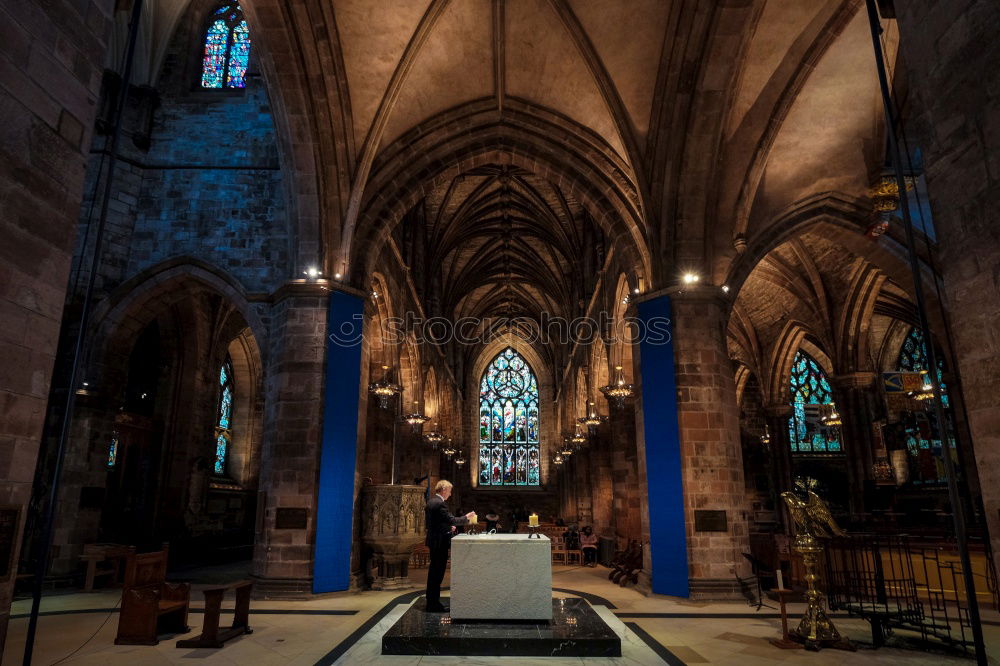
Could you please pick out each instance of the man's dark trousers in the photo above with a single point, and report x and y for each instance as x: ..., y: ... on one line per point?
x: 435, y: 573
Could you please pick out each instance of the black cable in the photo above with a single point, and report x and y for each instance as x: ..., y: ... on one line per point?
x: 96, y: 631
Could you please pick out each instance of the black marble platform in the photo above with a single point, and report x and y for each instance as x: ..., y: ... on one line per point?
x: 576, y: 630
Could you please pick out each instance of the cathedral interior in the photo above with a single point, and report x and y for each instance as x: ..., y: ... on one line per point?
x: 637, y: 265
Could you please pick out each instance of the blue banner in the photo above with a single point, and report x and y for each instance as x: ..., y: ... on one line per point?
x: 335, y: 501
x: 667, y: 532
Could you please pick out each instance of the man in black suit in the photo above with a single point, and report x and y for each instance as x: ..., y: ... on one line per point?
x: 440, y: 526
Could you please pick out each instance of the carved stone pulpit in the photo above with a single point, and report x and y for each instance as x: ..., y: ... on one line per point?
x: 392, y: 523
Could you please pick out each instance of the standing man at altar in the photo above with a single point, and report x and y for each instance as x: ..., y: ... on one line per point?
x: 440, y: 527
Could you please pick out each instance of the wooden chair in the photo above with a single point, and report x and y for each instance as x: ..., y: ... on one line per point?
x: 210, y: 636
x: 149, y: 603
x: 558, y: 550
x: 420, y: 557
x: 574, y: 556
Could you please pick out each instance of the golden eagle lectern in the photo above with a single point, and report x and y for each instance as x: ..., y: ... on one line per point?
x: 812, y: 523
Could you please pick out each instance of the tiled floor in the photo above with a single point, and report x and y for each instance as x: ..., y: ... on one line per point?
x: 301, y: 632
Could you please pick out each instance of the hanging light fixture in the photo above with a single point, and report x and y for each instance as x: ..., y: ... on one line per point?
x: 416, y: 419
x: 567, y: 447
x: 830, y: 417
x: 460, y: 460
x: 765, y: 439
x: 448, y: 450
x: 618, y: 391
x: 592, y: 419
x: 927, y: 390
x: 384, y: 389
x: 578, y: 439
x: 434, y: 438
x: 558, y: 460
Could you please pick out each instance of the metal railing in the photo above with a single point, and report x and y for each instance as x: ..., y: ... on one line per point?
x: 909, y: 582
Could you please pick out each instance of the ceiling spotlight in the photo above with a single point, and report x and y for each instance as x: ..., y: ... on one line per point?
x: 691, y: 278
x: 725, y: 288
x: 636, y: 290
x: 374, y: 294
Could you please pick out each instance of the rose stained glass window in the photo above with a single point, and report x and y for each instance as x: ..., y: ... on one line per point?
x: 508, y: 423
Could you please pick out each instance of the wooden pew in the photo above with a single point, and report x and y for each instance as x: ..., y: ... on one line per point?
x: 210, y: 636
x: 149, y: 603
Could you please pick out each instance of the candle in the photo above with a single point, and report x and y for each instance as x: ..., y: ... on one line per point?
x: 533, y: 520
x: 781, y: 583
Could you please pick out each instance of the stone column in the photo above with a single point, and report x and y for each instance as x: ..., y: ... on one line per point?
x: 781, y: 456
x: 712, y: 461
x: 951, y: 53
x: 293, y: 385
x: 852, y: 395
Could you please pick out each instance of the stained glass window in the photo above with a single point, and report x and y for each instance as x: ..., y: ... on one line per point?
x: 113, y: 450
x: 224, y: 418
x: 923, y: 441
x: 809, y: 391
x: 227, y: 49
x: 508, y: 423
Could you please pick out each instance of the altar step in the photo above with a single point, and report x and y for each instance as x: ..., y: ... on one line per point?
x: 576, y: 630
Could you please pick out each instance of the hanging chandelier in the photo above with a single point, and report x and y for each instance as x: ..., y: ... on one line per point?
x: 592, y: 419
x: 448, y: 450
x: 434, y: 438
x: 567, y: 448
x: 927, y: 390
x: 384, y: 389
x: 765, y: 439
x: 618, y: 391
x: 578, y: 439
x: 831, y: 417
x: 416, y: 419
x: 460, y: 460
x: 558, y: 460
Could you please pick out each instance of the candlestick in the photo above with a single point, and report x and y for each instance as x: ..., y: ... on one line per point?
x: 533, y: 520
x: 781, y: 584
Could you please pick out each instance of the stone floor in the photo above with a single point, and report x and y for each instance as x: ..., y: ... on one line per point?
x: 345, y: 628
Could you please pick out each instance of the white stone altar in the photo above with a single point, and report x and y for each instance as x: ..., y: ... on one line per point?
x: 501, y: 577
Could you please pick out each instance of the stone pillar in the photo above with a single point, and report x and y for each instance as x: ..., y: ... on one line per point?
x: 600, y: 481
x: 711, y: 455
x: 852, y: 395
x: 293, y: 384
x: 951, y: 53
x: 781, y: 457
x: 53, y: 54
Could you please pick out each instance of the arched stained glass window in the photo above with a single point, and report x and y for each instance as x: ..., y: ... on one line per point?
x: 224, y: 417
x: 913, y: 358
x: 227, y: 49
x: 508, y: 423
x: 809, y: 391
x: 923, y: 440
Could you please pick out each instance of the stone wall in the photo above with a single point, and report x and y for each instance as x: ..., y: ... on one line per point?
x: 951, y: 54
x: 50, y: 76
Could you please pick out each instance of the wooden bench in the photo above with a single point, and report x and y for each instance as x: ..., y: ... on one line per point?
x: 149, y: 603
x: 210, y: 636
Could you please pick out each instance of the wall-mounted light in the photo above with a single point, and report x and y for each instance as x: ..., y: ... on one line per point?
x: 337, y: 276
x: 636, y: 290
x: 691, y: 278
x: 725, y: 289
x: 312, y: 272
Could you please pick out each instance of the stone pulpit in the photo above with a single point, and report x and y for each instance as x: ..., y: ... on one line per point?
x: 501, y: 577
